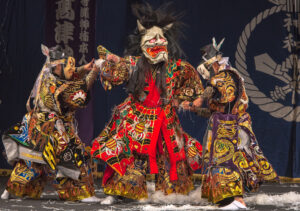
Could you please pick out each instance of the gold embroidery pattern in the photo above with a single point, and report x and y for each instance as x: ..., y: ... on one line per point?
x: 225, y: 85
x: 223, y: 150
x: 226, y: 129
x: 222, y: 183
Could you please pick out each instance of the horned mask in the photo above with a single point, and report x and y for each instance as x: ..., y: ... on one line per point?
x: 154, y: 43
x: 212, y: 60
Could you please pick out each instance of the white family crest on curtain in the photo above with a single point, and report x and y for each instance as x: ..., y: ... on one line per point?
x: 276, y: 102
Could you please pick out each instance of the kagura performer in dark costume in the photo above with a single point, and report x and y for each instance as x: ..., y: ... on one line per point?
x: 45, y: 145
x: 144, y: 132
x: 233, y: 160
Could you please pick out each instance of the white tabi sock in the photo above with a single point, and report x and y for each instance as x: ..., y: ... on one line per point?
x: 108, y: 200
x: 5, y: 194
x: 239, y: 204
x: 92, y: 199
x: 235, y: 205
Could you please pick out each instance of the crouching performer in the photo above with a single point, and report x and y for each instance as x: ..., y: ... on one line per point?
x: 144, y: 132
x: 233, y: 160
x: 45, y: 145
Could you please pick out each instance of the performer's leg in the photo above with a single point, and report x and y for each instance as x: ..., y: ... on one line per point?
x: 74, y: 190
x: 222, y: 186
x: 240, y: 199
x: 183, y: 185
x: 133, y: 184
x: 27, y: 179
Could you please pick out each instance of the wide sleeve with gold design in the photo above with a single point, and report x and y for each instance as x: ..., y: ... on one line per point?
x: 58, y: 95
x: 226, y: 86
x: 80, y: 72
x: 229, y: 92
x: 74, y: 94
x: 189, y: 85
x: 115, y: 70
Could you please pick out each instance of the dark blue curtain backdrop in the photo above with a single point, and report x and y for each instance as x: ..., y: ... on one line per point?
x: 259, y: 27
x: 21, y: 34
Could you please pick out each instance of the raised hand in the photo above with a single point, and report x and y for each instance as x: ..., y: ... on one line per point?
x: 198, y: 102
x: 89, y: 66
x: 185, y: 105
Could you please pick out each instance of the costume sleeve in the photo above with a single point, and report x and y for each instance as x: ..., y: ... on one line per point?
x: 74, y: 94
x: 225, y: 85
x: 80, y: 72
x: 207, y: 95
x: 90, y: 78
x: 115, y: 70
x: 189, y: 85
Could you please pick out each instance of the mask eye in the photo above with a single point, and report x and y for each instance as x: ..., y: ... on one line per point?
x: 152, y: 40
x: 163, y: 39
x: 71, y: 63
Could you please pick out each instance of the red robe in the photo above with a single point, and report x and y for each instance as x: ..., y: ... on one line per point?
x: 142, y: 127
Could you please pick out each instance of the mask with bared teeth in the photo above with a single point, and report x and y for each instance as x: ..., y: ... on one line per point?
x: 154, y: 44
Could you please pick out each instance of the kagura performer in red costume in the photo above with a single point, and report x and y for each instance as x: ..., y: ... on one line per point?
x: 144, y: 133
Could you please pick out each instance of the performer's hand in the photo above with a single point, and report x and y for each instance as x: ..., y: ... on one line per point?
x: 89, y: 66
x: 175, y: 103
x: 198, y: 102
x: 185, y: 105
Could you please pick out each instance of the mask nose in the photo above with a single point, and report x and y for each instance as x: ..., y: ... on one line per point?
x: 159, y: 40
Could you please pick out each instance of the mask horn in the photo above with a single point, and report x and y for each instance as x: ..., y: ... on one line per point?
x: 141, y: 28
x: 45, y: 51
x: 214, y: 43
x: 167, y: 27
x: 220, y: 44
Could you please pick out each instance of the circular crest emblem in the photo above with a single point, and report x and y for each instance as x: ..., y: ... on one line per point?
x: 275, y: 103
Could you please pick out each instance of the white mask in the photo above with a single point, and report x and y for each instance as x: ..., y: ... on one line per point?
x: 154, y: 43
